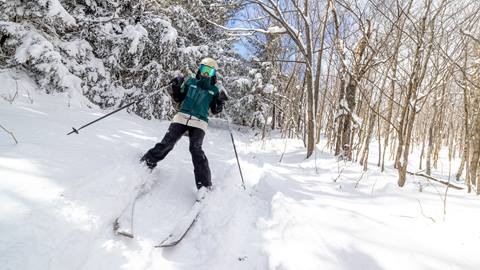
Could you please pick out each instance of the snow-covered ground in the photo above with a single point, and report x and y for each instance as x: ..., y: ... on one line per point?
x: 60, y: 194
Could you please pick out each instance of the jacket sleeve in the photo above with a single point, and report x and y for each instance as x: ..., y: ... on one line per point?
x: 216, y: 106
x: 179, y: 89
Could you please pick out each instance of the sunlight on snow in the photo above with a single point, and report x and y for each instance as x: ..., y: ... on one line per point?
x: 79, y: 216
x: 24, y: 178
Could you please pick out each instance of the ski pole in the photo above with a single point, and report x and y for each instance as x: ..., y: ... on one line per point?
x: 235, y: 149
x: 75, y: 130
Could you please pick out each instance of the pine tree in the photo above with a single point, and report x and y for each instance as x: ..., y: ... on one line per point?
x: 113, y: 51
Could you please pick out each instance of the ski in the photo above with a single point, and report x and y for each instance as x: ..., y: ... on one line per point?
x: 184, y: 225
x: 123, y: 224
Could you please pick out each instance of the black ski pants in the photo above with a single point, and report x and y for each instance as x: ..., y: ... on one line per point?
x: 199, y: 160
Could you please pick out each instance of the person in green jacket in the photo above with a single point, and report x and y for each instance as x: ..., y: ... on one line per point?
x: 197, y: 96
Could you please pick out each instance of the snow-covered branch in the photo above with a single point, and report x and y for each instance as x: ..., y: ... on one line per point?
x: 269, y: 31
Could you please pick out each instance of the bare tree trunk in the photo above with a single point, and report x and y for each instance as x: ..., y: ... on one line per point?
x: 379, y: 136
x: 318, y: 71
x: 422, y: 153
x: 439, y: 130
x: 324, y: 98
x: 475, y: 154
x: 364, y: 158
x: 433, y: 125
x: 347, y: 100
x: 463, y: 158
x: 416, y: 77
x: 394, y: 66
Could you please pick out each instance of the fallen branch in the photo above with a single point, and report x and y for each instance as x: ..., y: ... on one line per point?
x: 338, y: 170
x: 360, y: 179
x: 446, y: 190
x: 10, y: 99
x: 436, y: 180
x: 421, y: 210
x: 11, y: 134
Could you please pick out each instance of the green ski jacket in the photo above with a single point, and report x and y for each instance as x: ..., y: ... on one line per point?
x: 200, y: 96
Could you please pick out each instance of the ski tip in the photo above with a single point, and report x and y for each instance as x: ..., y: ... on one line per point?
x: 168, y: 242
x: 166, y: 245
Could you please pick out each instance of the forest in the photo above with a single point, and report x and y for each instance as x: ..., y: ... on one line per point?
x: 402, y: 73
x: 353, y: 126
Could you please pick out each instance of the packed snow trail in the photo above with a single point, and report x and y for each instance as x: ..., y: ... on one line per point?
x: 60, y: 194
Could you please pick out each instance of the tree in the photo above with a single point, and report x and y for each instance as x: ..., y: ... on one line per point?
x: 112, y: 52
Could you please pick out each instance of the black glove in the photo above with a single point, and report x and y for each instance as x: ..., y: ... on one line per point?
x: 223, y: 96
x: 176, y: 87
x: 217, y: 104
x: 177, y: 81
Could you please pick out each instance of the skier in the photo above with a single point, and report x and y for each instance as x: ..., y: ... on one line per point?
x: 196, y: 95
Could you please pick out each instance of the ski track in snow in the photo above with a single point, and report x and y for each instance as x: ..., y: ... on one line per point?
x: 60, y: 194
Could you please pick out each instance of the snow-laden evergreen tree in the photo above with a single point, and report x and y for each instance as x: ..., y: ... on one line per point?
x: 113, y: 51
x: 32, y: 39
x: 254, y: 90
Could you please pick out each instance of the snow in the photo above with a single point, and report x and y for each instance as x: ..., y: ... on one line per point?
x: 358, y: 121
x: 39, y: 52
x: 344, y: 103
x: 243, y: 82
x: 33, y: 46
x: 276, y: 30
x: 60, y: 194
x: 269, y: 88
x: 55, y: 9
x: 135, y: 34
x: 171, y: 33
x: 196, y: 51
x: 16, y: 84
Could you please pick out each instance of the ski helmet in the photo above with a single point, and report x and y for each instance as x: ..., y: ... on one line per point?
x: 210, y: 62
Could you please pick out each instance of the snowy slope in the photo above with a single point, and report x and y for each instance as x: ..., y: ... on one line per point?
x: 60, y: 194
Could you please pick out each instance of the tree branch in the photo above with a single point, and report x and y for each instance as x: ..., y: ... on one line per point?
x: 435, y: 179
x: 9, y: 132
